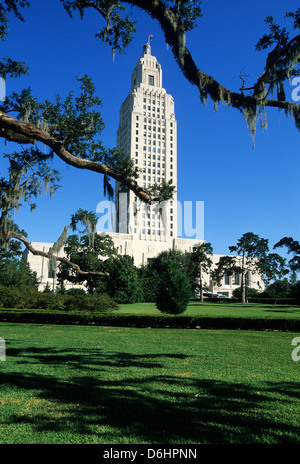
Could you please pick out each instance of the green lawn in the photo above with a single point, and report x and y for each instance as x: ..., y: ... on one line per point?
x: 91, y: 384
x: 196, y: 308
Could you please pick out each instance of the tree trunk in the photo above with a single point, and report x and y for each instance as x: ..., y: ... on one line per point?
x: 243, y: 287
x: 201, y: 286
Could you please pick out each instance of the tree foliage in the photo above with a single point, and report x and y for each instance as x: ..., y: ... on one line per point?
x: 14, y: 271
x: 123, y: 283
x: 7, y: 7
x: 91, y: 257
x: 275, y: 268
x: 202, y: 259
x: 174, y: 290
x: 293, y: 247
x: 251, y: 253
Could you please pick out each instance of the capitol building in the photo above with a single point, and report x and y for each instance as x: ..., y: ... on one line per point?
x: 147, y: 133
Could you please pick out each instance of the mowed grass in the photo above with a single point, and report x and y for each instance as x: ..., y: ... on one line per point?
x: 109, y: 385
x: 198, y: 308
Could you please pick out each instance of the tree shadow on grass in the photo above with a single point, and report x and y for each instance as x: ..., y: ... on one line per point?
x: 84, y: 358
x: 282, y: 309
x: 150, y: 408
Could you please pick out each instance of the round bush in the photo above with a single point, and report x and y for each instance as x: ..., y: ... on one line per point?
x: 174, y: 289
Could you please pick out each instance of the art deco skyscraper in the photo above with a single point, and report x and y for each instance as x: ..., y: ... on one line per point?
x: 148, y: 134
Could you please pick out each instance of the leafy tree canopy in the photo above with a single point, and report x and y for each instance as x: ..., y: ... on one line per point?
x: 293, y: 247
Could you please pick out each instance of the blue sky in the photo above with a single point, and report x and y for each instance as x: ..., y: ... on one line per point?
x: 244, y: 189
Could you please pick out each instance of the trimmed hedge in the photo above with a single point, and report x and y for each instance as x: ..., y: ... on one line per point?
x: 142, y: 321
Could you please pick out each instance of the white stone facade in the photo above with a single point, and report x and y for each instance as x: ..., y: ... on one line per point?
x: 140, y: 251
x: 147, y: 133
x: 45, y: 269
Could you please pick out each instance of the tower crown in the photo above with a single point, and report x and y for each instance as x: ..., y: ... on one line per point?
x: 147, y: 71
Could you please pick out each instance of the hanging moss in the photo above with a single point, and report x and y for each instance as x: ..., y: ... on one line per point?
x: 296, y: 114
x: 250, y: 115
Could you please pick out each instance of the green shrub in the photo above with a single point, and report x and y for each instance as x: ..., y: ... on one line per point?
x: 250, y: 293
x: 94, y: 303
x: 76, y: 291
x: 174, y: 289
x: 110, y: 318
x: 50, y: 301
x: 18, y: 297
x: 149, y: 288
x: 297, y: 292
x: 30, y: 298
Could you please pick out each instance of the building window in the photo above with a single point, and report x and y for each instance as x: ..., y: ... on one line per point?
x: 247, y: 279
x: 51, y: 270
x: 226, y: 278
x: 151, y: 80
x: 236, y: 278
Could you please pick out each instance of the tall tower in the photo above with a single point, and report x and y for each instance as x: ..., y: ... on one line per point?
x: 147, y: 133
